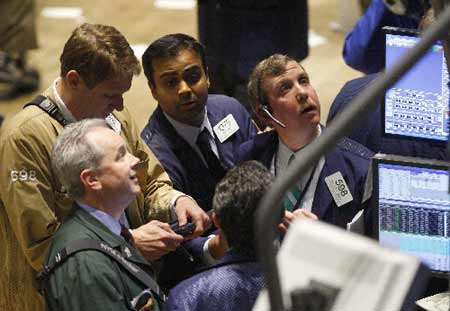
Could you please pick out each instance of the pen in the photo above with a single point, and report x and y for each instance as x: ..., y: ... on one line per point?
x: 185, y: 253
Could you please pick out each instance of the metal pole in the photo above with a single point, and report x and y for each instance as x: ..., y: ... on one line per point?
x: 266, y: 220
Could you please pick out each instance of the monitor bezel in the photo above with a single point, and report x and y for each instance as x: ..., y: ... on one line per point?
x: 380, y: 158
x: 438, y: 142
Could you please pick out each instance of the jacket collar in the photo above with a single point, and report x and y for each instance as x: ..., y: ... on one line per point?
x: 104, y: 234
x: 230, y: 258
x: 265, y: 145
x: 173, y: 139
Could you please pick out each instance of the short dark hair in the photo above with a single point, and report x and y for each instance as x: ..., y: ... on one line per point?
x: 98, y: 53
x: 170, y: 46
x: 235, y: 202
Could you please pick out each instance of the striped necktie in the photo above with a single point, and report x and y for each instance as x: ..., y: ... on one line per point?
x: 293, y: 195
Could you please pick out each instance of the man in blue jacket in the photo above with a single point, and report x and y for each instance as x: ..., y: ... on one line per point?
x: 193, y: 134
x: 364, y: 44
x: 282, y: 96
x: 178, y: 78
x: 233, y: 283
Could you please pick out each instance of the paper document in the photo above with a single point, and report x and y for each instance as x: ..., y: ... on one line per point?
x: 438, y: 302
x: 364, y: 275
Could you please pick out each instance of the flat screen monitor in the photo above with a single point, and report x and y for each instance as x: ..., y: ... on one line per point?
x: 412, y: 207
x: 416, y: 106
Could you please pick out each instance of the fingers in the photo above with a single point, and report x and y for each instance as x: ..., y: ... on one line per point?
x: 181, y: 210
x: 186, y: 208
x: 202, y: 222
x: 156, y: 239
x: 283, y: 228
x: 290, y: 216
x: 305, y: 214
x: 166, y: 233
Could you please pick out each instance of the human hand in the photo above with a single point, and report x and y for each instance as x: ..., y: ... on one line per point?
x: 290, y: 216
x: 155, y: 239
x: 186, y: 208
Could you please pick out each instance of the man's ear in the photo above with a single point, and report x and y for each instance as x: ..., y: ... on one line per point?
x: 152, y: 87
x: 207, y: 76
x: 89, y: 178
x: 73, y: 79
x: 262, y: 116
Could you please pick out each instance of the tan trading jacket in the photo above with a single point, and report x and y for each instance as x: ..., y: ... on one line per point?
x: 32, y: 205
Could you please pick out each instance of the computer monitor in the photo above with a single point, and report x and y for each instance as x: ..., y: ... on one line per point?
x: 412, y: 208
x: 417, y: 106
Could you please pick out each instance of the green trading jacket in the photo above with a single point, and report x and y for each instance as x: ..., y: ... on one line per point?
x: 90, y: 280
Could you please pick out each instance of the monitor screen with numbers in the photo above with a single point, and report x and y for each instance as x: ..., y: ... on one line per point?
x: 416, y: 106
x: 412, y: 207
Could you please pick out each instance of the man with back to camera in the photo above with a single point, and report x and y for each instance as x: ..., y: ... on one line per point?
x: 233, y: 283
x: 283, y: 97
x: 93, y: 163
x: 97, y: 66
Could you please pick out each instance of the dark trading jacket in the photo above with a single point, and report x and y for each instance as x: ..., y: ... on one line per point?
x: 185, y: 168
x: 349, y: 157
x: 90, y: 280
x: 190, y: 175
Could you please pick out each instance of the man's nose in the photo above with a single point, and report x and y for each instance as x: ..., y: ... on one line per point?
x: 134, y: 160
x: 302, y: 94
x: 184, y: 88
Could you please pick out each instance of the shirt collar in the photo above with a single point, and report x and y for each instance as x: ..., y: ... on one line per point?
x: 284, y: 154
x: 68, y: 116
x: 106, y: 219
x: 189, y: 132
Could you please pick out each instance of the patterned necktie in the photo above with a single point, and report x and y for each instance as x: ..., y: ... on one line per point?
x: 215, y: 167
x: 293, y: 195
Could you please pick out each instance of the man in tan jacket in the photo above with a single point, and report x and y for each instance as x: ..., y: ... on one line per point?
x: 97, y: 66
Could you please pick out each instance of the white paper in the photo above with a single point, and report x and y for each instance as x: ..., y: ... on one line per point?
x: 368, y: 276
x: 438, y: 302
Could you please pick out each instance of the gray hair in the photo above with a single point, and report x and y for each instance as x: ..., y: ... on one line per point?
x: 73, y: 152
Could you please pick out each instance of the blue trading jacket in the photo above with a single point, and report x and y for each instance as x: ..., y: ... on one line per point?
x: 185, y: 168
x: 349, y: 157
x: 232, y: 284
x: 188, y: 172
x: 364, y: 44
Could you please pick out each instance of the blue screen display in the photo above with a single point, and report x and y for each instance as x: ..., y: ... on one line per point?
x: 417, y: 105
